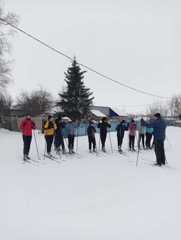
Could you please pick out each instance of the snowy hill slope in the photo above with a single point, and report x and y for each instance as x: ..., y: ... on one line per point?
x: 89, y: 196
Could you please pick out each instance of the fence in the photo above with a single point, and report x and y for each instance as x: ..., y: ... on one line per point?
x: 12, y: 123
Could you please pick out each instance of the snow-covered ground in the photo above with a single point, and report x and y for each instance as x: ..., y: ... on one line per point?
x: 89, y: 196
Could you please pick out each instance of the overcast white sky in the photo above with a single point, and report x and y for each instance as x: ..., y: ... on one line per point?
x: 137, y: 42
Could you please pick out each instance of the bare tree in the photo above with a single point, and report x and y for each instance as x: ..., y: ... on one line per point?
x: 175, y: 105
x: 5, y: 104
x: 158, y: 107
x: 36, y: 103
x: 5, y: 33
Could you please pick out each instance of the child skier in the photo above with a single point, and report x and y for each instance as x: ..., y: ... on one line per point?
x: 71, y: 130
x: 149, y: 134
x: 26, y: 127
x: 49, y: 131
x: 121, y: 128
x: 91, y: 130
x: 103, y: 125
x: 141, y: 133
x: 59, y: 138
x: 132, y: 134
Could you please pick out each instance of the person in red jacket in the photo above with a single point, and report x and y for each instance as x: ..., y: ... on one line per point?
x: 26, y: 127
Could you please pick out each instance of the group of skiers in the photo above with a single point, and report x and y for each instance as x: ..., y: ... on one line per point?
x: 53, y: 132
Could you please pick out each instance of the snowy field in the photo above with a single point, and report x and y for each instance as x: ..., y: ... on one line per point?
x: 89, y: 196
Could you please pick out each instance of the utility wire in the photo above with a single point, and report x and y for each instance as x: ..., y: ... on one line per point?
x: 83, y: 65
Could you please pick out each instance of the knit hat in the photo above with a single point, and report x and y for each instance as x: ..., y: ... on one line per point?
x: 157, y: 115
x: 49, y: 117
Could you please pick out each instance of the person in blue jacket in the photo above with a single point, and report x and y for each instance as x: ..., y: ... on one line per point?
x: 71, y: 128
x: 159, y: 132
x: 149, y: 135
x: 103, y: 126
x: 91, y: 130
x: 59, y: 138
x: 121, y: 128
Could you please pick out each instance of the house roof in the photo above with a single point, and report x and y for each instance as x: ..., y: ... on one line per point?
x: 98, y: 113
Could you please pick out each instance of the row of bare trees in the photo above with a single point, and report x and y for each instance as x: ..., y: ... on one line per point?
x: 36, y: 102
x: 5, y: 62
x: 171, y: 108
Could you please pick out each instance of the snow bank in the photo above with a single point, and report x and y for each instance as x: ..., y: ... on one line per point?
x: 88, y: 196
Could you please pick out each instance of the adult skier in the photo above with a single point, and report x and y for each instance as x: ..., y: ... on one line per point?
x: 159, y: 131
x: 91, y: 130
x: 59, y: 138
x: 121, y: 128
x: 26, y: 127
x: 49, y: 131
x: 132, y: 134
x: 103, y: 126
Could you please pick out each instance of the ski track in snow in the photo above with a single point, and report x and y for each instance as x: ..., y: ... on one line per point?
x: 89, y: 196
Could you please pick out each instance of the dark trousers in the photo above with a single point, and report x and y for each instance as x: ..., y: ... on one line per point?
x: 141, y: 138
x: 159, y: 152
x: 103, y: 139
x: 120, y: 140
x: 49, y: 141
x: 148, y: 140
x: 92, y: 142
x: 71, y: 142
x: 59, y: 141
x: 27, y: 143
x: 131, y: 142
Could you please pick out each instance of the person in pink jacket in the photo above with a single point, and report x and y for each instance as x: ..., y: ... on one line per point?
x: 26, y: 127
x: 132, y: 134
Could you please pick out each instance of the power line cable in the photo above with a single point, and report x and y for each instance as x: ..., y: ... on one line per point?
x: 81, y: 64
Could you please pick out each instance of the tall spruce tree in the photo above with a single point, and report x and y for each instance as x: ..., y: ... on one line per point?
x: 76, y: 99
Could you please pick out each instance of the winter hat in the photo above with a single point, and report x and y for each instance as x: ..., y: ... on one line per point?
x: 49, y: 117
x: 104, y: 119
x: 59, y: 117
x: 92, y: 121
x: 157, y: 115
x: 28, y: 115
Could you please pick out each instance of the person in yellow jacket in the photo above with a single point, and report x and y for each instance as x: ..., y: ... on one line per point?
x: 49, y: 131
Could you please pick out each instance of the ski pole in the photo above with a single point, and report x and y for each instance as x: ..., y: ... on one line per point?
x: 77, y: 140
x: 138, y: 152
x: 110, y: 142
x: 99, y: 147
x: 44, y: 150
x: 137, y: 160
x: 169, y: 143
x: 38, y: 155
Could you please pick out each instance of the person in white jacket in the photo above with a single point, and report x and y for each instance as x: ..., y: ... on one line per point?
x: 141, y: 133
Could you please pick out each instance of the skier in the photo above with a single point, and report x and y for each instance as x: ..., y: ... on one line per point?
x: 91, y: 130
x: 26, y: 127
x: 103, y: 125
x: 71, y: 129
x: 121, y: 128
x: 149, y: 134
x: 132, y: 134
x: 59, y: 138
x: 141, y: 133
x: 159, y: 128
x: 49, y: 131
